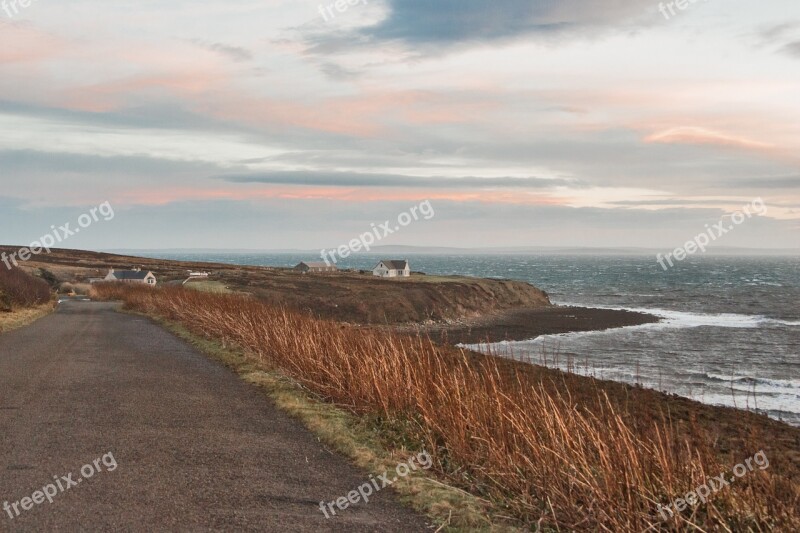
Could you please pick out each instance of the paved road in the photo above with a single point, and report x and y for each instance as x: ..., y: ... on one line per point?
x: 195, y: 448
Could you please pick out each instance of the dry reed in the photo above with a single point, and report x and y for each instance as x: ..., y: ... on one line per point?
x: 530, y: 449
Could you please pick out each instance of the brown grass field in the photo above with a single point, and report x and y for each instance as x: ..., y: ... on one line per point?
x: 549, y: 459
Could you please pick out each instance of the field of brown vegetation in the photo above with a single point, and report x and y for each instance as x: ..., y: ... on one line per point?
x: 539, y: 454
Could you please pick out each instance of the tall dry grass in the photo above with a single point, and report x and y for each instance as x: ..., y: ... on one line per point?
x: 530, y: 449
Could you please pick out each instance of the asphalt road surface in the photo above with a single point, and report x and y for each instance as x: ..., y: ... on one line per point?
x: 134, y: 430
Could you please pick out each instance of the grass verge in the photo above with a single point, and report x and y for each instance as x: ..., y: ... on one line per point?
x: 361, y: 439
x: 19, y: 318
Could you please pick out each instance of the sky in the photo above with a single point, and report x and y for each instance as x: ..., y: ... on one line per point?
x: 294, y: 124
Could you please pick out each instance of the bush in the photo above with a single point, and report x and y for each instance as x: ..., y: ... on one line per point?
x: 66, y: 288
x: 49, y: 277
x: 19, y: 289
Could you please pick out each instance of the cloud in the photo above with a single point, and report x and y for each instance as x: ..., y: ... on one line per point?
x: 695, y: 135
x: 792, y: 49
x: 449, y: 22
x: 670, y: 202
x: 235, y: 53
x: 435, y: 26
x: 34, y: 162
x: 352, y: 179
x: 784, y: 34
x: 27, y: 44
x: 337, y: 72
x: 165, y: 115
x: 778, y: 31
x: 772, y: 182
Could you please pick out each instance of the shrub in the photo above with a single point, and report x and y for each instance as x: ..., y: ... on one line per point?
x: 19, y: 289
x: 49, y: 277
x: 66, y: 288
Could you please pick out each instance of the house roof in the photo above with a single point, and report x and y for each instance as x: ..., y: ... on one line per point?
x: 129, y: 274
x: 395, y: 264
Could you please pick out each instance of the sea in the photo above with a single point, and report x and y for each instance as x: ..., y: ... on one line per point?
x: 729, y: 335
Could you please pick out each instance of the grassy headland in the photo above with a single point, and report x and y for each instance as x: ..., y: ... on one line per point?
x: 484, y: 308
x: 547, y: 449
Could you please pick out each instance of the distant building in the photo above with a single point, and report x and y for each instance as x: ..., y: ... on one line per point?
x: 131, y: 276
x: 314, y: 268
x: 196, y: 276
x: 392, y: 269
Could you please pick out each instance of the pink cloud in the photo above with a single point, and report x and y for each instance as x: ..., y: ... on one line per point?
x: 25, y: 44
x: 166, y: 196
x: 363, y: 115
x: 698, y: 135
x: 115, y: 94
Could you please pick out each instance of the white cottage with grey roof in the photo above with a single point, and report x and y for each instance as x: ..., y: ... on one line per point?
x: 136, y: 275
x: 392, y: 268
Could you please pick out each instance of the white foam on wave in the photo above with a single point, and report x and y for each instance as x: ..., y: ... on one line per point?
x: 787, y: 405
x: 669, y: 320
x: 763, y: 384
x: 688, y: 319
x: 737, y: 378
x: 786, y: 322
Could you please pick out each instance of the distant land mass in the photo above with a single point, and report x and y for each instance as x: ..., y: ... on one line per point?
x: 445, y: 250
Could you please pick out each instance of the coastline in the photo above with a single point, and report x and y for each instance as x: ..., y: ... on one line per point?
x: 736, y: 431
x: 528, y: 323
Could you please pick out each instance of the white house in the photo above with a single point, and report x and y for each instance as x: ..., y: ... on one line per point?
x: 132, y: 276
x: 392, y: 269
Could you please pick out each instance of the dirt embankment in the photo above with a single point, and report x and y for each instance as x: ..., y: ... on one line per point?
x: 529, y: 323
x: 366, y: 300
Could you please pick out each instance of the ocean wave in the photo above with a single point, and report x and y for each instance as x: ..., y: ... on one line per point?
x: 786, y: 322
x: 688, y: 319
x: 788, y: 383
x: 789, y: 409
